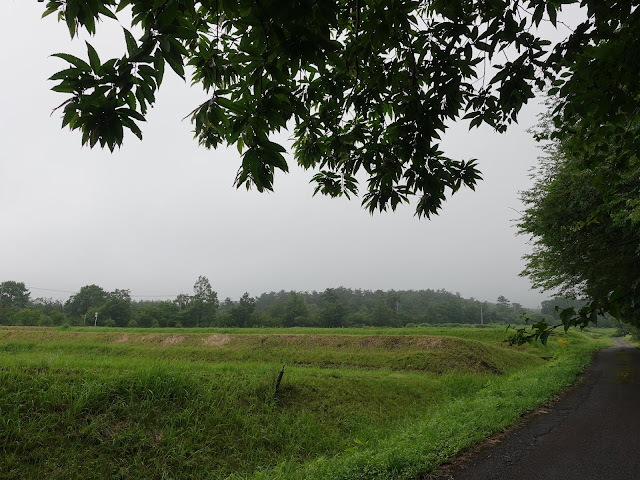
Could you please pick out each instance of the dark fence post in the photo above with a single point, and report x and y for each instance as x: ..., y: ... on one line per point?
x: 279, y: 379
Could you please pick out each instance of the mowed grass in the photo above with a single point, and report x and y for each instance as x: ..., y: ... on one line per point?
x: 201, y: 404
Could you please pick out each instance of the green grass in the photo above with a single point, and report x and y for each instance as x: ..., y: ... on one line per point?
x: 368, y: 403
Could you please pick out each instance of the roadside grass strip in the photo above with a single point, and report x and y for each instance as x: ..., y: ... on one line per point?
x: 422, y: 444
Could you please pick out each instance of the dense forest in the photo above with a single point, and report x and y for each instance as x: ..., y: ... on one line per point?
x: 334, y: 307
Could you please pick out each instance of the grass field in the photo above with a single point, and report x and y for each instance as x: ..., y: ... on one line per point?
x: 361, y: 404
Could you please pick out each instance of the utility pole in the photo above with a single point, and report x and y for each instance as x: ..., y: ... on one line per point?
x: 481, y: 316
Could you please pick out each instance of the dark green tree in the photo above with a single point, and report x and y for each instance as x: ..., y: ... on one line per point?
x: 241, y: 312
x: 381, y: 314
x: 503, y: 301
x: 584, y: 244
x: 334, y: 312
x: 164, y: 314
x: 89, y: 297
x: 14, y: 294
x: 296, y: 311
x: 584, y: 222
x: 367, y: 86
x: 517, y: 308
x: 57, y: 317
x: 182, y: 301
x: 26, y: 317
x: 48, y: 305
x: 145, y: 318
x: 117, y: 307
x: 204, y: 303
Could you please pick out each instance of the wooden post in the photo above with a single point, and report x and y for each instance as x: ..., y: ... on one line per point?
x: 279, y: 379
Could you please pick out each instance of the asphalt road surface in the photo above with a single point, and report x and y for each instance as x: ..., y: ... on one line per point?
x: 591, y: 433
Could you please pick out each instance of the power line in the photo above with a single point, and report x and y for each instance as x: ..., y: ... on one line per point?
x: 155, y: 296
x: 51, y: 290
x: 75, y: 293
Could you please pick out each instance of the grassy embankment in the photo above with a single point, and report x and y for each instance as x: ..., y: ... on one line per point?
x: 365, y: 404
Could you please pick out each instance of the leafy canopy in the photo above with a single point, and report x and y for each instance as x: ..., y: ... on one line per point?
x: 584, y: 222
x: 583, y: 212
x: 366, y: 86
x: 14, y: 294
x: 89, y: 297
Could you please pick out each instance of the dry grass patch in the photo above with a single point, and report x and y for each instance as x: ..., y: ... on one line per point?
x: 174, y: 339
x: 217, y: 340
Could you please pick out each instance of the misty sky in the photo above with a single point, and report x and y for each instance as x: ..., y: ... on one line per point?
x: 156, y: 214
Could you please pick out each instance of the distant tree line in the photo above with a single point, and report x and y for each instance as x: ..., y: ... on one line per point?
x: 332, y: 308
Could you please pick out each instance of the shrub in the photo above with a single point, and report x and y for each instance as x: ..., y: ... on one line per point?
x: 45, y: 321
x: 58, y: 318
x: 26, y: 317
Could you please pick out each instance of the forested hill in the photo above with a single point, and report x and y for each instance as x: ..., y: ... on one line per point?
x: 347, y: 307
x: 333, y: 307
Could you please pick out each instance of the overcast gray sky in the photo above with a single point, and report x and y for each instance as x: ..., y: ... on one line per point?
x: 156, y: 214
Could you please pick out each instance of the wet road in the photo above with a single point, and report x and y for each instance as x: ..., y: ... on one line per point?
x: 591, y: 433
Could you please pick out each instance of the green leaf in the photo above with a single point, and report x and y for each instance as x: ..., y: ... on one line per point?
x: 618, y: 293
x: 94, y: 60
x: 70, y: 17
x: 538, y: 13
x: 81, y: 64
x: 70, y: 115
x: 158, y: 64
x: 274, y: 158
x: 130, y: 113
x: 148, y: 74
x: 104, y: 10
x: 234, y: 107
x: 122, y: 4
x: 132, y: 45
x: 544, y: 337
x: 64, y: 74
x: 179, y: 32
x: 64, y: 88
x: 566, y: 317
x: 173, y: 58
x: 131, y: 125
x: 553, y: 14
x: 273, y: 146
x: 49, y: 11
x: 168, y: 13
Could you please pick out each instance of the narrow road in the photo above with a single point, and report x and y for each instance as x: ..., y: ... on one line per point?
x: 591, y: 433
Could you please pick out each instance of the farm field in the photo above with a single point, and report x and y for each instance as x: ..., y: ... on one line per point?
x: 201, y: 403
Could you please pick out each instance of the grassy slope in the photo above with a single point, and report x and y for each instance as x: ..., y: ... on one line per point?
x: 200, y: 405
